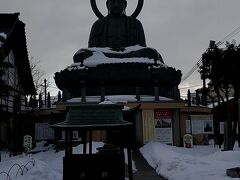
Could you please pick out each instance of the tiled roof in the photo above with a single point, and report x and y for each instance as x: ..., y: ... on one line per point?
x: 7, y: 22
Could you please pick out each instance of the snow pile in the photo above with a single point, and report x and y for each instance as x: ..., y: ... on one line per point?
x: 41, y: 146
x: 124, y: 50
x: 198, y: 163
x: 125, y: 108
x: 77, y: 66
x: 107, y: 102
x: 121, y: 98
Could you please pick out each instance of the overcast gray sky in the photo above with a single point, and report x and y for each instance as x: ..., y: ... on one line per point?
x: 179, y: 29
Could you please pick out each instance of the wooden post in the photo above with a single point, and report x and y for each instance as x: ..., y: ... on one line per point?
x: 90, y: 141
x: 66, y: 143
x: 102, y: 89
x: 83, y: 91
x: 85, y: 142
x: 176, y: 129
x: 130, y: 172
x: 64, y: 95
x: 138, y: 91
x: 70, y: 142
x: 156, y: 89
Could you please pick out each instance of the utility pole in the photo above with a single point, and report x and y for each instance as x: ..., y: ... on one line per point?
x: 189, y: 98
x: 239, y: 122
x: 189, y: 113
x: 45, y: 92
x: 48, y: 100
x: 204, y: 94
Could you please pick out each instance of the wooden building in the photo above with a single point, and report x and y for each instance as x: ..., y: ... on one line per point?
x: 19, y: 82
x: 166, y: 120
x: 193, y: 120
x: 145, y: 115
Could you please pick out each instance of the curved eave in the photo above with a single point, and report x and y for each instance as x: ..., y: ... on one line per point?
x: 65, y: 125
x: 124, y: 74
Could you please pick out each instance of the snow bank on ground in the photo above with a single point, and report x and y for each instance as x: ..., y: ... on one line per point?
x: 48, y: 165
x: 41, y: 146
x: 198, y: 163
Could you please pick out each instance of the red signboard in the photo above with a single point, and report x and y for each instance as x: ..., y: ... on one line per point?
x: 162, y: 114
x: 163, y: 126
x: 163, y: 118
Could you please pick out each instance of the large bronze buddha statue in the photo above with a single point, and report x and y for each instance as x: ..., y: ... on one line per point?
x: 117, y: 31
x: 117, y: 60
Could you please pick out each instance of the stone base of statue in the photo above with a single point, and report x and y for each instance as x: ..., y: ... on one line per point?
x: 107, y: 72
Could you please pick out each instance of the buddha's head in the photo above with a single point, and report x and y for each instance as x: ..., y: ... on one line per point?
x: 116, y: 7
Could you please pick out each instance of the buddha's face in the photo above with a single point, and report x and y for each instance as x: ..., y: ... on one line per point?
x: 116, y: 7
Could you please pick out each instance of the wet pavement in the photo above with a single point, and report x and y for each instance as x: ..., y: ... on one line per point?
x: 144, y: 170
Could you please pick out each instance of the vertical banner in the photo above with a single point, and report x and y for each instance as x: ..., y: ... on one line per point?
x: 163, y: 126
x: 188, y: 126
x: 148, y: 125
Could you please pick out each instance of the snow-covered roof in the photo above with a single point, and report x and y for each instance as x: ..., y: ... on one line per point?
x: 98, y: 58
x: 4, y: 36
x: 215, y: 104
x: 109, y: 50
x: 119, y: 99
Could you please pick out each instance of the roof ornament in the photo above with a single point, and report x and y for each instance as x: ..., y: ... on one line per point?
x: 100, y: 15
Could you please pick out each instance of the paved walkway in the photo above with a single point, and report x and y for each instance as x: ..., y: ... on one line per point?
x: 145, y: 172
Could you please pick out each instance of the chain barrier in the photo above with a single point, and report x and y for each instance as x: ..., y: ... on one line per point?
x: 20, y: 169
